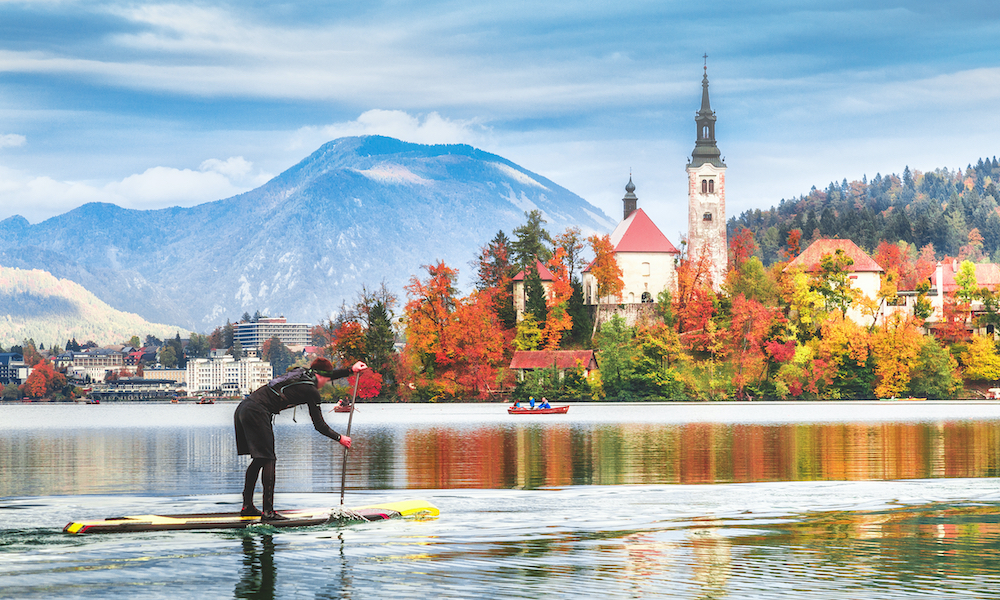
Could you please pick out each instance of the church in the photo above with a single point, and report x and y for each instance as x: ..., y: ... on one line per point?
x: 646, y: 257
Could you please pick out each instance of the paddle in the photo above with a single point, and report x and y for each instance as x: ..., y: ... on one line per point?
x: 343, y: 470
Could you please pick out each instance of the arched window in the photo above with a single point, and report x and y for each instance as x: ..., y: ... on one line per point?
x: 704, y: 132
x: 704, y: 186
x: 707, y: 217
x: 647, y: 297
x: 711, y: 186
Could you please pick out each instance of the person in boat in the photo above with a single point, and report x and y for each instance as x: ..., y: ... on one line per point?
x: 531, y: 401
x: 544, y: 404
x: 255, y: 434
x: 517, y: 403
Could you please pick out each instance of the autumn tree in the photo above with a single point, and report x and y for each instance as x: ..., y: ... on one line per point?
x: 896, y: 346
x: 428, y: 313
x: 605, y: 270
x: 558, y: 320
x: 981, y: 361
x: 44, y: 381
x: 474, y: 346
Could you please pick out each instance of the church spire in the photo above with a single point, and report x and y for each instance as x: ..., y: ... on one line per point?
x: 705, y: 150
x: 630, y: 198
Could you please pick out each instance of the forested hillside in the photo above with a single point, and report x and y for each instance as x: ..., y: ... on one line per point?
x: 940, y: 208
x: 35, y: 305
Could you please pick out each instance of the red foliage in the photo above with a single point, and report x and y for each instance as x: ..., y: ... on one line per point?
x: 741, y: 247
x: 369, y: 386
x: 781, y: 351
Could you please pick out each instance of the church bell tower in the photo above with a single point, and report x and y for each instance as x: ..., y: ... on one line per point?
x: 707, y: 195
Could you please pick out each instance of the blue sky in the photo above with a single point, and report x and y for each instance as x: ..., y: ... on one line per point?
x: 149, y: 105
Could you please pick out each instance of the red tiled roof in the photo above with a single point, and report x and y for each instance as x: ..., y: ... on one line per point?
x: 543, y: 359
x: 638, y: 233
x: 987, y: 276
x: 543, y: 273
x: 809, y: 260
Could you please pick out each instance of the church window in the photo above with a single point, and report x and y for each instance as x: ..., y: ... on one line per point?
x: 704, y: 186
x: 711, y: 186
x: 707, y: 217
x: 704, y: 132
x: 647, y: 297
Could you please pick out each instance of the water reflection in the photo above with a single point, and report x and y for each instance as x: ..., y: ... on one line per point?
x: 258, y: 574
x: 694, y: 453
x: 203, y: 460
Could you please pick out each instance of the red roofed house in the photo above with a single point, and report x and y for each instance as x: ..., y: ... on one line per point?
x: 544, y: 359
x: 645, y: 256
x: 943, y: 284
x: 865, y: 273
x: 521, y: 294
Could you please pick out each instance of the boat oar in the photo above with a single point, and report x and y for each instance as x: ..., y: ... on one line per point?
x: 343, y: 470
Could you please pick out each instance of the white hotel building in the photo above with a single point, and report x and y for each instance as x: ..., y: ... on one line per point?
x: 253, y: 335
x: 227, y: 376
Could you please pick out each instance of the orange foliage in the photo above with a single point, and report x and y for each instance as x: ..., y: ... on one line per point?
x: 605, y: 268
x: 558, y: 320
x: 43, y: 380
x: 348, y: 342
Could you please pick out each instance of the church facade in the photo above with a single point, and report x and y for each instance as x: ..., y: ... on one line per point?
x: 646, y: 257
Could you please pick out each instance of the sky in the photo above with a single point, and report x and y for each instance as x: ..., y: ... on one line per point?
x: 149, y: 105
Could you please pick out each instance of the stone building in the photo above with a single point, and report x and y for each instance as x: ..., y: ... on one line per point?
x: 646, y: 257
x: 707, y: 196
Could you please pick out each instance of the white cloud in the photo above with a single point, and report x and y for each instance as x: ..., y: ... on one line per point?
x: 38, y: 198
x: 12, y: 140
x: 431, y: 128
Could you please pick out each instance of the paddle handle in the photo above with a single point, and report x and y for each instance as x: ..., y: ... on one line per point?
x: 350, y: 418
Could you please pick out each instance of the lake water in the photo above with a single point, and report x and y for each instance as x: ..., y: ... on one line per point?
x: 728, y: 500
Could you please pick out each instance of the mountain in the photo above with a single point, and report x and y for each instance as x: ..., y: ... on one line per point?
x: 50, y: 311
x: 357, y: 211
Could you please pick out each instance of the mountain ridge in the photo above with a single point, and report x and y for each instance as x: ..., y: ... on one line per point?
x: 355, y: 212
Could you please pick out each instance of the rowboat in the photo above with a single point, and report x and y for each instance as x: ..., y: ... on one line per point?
x: 555, y: 410
x: 342, y: 408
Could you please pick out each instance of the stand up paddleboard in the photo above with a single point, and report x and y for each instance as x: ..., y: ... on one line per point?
x: 295, y: 518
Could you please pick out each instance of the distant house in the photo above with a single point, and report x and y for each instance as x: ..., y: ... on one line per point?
x: 521, y: 294
x: 524, y: 361
x: 865, y: 273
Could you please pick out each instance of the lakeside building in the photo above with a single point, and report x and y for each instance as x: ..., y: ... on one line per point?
x: 646, y: 257
x: 136, y: 388
x: 253, y: 335
x: 525, y: 361
x: 865, y: 274
x: 94, y: 363
x: 13, y: 369
x: 227, y: 376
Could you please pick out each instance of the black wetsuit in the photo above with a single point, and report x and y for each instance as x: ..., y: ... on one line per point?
x: 254, y: 433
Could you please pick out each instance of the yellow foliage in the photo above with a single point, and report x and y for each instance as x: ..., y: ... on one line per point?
x: 981, y: 360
